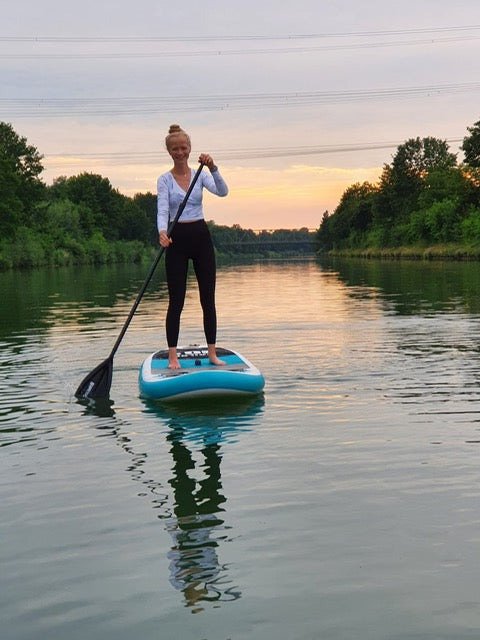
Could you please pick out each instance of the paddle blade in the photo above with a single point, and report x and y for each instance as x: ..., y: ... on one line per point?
x: 98, y: 382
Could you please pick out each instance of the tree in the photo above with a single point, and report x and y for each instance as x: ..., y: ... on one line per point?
x: 148, y: 203
x: 27, y: 159
x: 21, y: 166
x: 447, y: 183
x: 323, y: 239
x: 11, y: 207
x: 104, y: 203
x: 133, y: 222
x: 416, y: 156
x: 353, y: 214
x: 471, y: 145
x: 412, y: 163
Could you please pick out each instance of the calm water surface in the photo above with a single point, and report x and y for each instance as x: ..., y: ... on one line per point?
x: 344, y: 503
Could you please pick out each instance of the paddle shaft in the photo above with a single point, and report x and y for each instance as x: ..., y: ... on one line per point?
x: 155, y: 263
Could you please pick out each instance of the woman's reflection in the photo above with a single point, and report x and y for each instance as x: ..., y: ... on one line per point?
x: 195, y: 521
x: 196, y: 528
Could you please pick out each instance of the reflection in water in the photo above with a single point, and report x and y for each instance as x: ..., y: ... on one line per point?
x: 89, y: 298
x: 196, y: 527
x: 195, y: 524
x: 412, y: 286
x: 425, y: 334
x: 194, y: 565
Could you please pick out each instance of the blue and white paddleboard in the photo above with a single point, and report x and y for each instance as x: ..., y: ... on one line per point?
x: 197, y: 377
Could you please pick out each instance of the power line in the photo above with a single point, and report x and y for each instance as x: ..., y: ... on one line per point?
x: 124, y: 106
x: 147, y: 157
x: 233, y: 52
x: 238, y: 38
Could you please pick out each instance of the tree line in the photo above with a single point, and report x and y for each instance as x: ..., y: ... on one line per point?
x: 424, y: 197
x: 83, y: 219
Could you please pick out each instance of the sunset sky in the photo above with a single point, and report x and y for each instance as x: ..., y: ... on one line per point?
x: 295, y: 102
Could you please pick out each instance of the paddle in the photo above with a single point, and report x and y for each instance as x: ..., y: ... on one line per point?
x: 98, y: 382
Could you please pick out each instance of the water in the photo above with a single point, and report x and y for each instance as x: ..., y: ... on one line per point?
x: 341, y: 504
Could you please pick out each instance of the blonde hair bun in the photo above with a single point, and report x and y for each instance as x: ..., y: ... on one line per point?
x: 175, y: 128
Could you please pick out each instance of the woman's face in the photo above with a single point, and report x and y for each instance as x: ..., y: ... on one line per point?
x: 179, y: 147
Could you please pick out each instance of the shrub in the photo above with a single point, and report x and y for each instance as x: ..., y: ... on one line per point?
x: 25, y: 249
x: 442, y: 220
x: 470, y: 226
x: 98, y: 249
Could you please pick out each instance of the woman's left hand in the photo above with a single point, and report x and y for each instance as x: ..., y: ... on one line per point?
x: 206, y: 160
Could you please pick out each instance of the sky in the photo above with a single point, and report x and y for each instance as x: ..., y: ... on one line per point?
x: 295, y: 102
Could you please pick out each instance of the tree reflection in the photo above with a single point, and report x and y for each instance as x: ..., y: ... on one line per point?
x: 411, y: 287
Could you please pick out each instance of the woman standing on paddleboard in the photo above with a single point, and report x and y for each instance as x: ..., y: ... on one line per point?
x: 190, y: 239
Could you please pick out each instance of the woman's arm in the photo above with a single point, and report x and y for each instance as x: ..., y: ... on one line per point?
x: 163, y: 210
x: 213, y: 182
x: 163, y: 204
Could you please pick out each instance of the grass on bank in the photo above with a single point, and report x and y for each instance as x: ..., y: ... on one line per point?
x: 447, y: 251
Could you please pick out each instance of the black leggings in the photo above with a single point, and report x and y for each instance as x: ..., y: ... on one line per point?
x: 191, y: 241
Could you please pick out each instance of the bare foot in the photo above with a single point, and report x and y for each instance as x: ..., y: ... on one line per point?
x: 173, y: 362
x: 212, y: 356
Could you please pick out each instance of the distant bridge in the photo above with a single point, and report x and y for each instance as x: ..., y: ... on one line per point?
x: 265, y: 239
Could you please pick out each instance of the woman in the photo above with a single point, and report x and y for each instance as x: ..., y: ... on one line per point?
x: 190, y: 239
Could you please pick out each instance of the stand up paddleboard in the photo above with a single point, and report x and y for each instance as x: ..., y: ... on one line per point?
x: 197, y: 377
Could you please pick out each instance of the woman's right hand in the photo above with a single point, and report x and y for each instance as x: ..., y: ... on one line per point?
x: 165, y: 241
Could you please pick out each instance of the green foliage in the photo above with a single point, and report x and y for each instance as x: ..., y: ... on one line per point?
x: 352, y: 217
x: 423, y: 197
x: 98, y: 197
x: 148, y: 204
x: 28, y: 161
x: 133, y: 222
x: 27, y: 249
x: 470, y: 226
x: 98, y: 249
x: 414, y: 160
x: 20, y: 186
x: 106, y: 210
x: 441, y: 220
x: 418, y: 156
x: 63, y: 220
x: 11, y: 206
x: 377, y: 237
x: 81, y: 219
x: 440, y: 184
x: 471, y: 145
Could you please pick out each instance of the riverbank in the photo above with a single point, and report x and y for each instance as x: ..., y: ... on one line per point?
x: 30, y: 248
x: 415, y: 252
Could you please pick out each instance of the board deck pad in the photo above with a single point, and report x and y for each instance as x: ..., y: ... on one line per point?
x: 196, y: 358
x: 197, y: 376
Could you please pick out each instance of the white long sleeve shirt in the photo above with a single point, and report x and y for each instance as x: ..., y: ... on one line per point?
x: 170, y: 196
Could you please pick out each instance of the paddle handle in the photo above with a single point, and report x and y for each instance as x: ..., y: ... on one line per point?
x: 155, y: 262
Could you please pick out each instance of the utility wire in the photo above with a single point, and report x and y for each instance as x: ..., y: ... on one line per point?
x: 237, y: 38
x: 233, y: 52
x: 147, y: 157
x: 124, y: 106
